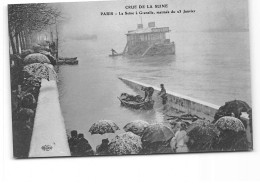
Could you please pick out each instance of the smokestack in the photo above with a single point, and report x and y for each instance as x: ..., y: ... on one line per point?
x: 151, y: 24
x: 140, y: 26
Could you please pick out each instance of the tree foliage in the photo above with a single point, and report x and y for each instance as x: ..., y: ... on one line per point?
x: 25, y: 19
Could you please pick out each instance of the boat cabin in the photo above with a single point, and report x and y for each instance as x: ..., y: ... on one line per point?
x: 148, y: 36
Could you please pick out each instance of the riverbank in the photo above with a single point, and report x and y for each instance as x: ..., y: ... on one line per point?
x: 38, y: 124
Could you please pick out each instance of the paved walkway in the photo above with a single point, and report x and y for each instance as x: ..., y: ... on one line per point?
x: 49, y: 134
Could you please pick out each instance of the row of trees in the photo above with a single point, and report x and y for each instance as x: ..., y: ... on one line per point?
x: 25, y: 20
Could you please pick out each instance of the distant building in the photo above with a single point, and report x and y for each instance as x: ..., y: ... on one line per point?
x: 148, y: 41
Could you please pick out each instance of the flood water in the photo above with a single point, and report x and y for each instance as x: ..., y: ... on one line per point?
x: 213, y: 67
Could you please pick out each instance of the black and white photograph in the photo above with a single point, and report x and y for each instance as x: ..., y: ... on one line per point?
x: 113, y: 78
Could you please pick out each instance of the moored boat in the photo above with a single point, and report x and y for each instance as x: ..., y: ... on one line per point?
x: 114, y: 55
x: 67, y: 58
x: 68, y: 61
x: 148, y: 41
x: 135, y: 102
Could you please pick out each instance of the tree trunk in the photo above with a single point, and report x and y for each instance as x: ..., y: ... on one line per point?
x: 24, y: 40
x: 20, y: 41
x: 17, y: 43
x: 57, y: 44
x: 26, y: 36
x: 51, y: 33
x: 11, y: 38
x: 30, y: 40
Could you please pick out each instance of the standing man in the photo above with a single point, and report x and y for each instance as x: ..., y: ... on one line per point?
x: 73, y: 142
x: 113, y: 52
x: 84, y: 148
x: 148, y: 93
x: 52, y: 47
x: 102, y: 149
x: 163, y: 94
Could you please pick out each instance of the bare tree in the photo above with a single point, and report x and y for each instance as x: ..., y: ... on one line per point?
x: 26, y: 19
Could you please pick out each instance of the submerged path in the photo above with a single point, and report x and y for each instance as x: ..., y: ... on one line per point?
x: 178, y: 101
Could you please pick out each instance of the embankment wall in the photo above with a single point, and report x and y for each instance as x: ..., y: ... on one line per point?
x: 178, y: 101
x: 49, y: 137
x: 186, y: 103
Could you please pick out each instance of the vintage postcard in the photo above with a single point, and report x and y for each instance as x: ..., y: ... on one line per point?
x: 130, y: 78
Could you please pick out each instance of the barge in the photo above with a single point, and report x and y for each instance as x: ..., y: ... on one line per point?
x: 148, y: 41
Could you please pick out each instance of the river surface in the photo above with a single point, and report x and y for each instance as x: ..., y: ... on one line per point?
x: 213, y: 67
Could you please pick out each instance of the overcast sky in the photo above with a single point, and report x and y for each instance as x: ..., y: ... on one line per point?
x: 210, y: 15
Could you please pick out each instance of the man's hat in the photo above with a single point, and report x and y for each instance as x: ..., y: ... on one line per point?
x: 81, y: 136
x: 74, y: 132
x: 105, y: 141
